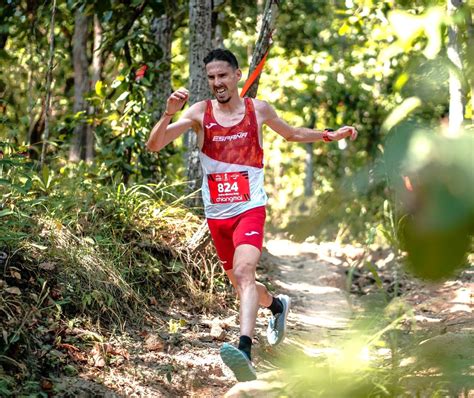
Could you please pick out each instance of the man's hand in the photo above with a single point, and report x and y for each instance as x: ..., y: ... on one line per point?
x: 343, y: 132
x: 176, y: 101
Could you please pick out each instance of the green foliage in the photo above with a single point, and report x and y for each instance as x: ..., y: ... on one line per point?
x: 380, y: 355
x: 123, y: 121
x: 426, y: 177
x: 6, y: 384
x: 439, y: 224
x: 16, y: 179
x: 102, y: 239
x: 87, y: 226
x: 417, y: 186
x: 77, y: 247
x: 329, y: 71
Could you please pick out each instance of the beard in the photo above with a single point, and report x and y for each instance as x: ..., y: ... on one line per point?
x: 221, y: 98
x: 223, y: 101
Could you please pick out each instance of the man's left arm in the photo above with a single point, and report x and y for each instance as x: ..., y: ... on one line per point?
x: 301, y: 134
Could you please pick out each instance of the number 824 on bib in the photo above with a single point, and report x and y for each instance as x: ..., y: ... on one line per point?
x: 230, y: 187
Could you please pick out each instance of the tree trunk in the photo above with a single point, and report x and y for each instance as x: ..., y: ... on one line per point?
x: 308, y: 179
x: 218, y: 37
x: 217, y: 19
x: 457, y: 97
x: 35, y: 132
x: 34, y: 136
x: 162, y: 29
x: 81, y: 83
x: 97, y: 65
x: 264, y: 40
x: 49, y: 76
x: 200, y: 13
x: 470, y: 57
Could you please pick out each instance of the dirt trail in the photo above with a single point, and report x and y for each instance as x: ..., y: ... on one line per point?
x: 314, y: 285
x: 313, y: 277
x: 188, y: 364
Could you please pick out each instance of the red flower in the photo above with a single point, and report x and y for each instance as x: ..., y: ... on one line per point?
x: 140, y: 73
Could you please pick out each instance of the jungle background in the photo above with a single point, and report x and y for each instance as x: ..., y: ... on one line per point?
x: 101, y: 239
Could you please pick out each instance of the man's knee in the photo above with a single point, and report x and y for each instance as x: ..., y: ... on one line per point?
x: 244, y: 273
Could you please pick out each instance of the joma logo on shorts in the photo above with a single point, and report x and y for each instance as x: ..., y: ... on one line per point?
x: 224, y: 138
x: 251, y: 233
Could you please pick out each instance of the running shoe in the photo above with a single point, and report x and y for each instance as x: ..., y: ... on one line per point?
x: 277, y: 324
x: 238, y: 362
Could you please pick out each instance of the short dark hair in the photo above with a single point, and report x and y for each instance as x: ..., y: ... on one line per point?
x: 220, y: 54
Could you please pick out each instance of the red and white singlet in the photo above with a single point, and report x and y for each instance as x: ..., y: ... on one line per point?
x: 232, y: 164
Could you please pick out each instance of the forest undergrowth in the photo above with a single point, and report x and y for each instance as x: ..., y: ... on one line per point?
x: 81, y: 257
x: 85, y: 257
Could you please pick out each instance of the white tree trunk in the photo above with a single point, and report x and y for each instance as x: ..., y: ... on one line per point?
x: 218, y: 39
x: 97, y: 64
x: 457, y: 97
x: 308, y: 178
x: 200, y: 14
x: 81, y: 82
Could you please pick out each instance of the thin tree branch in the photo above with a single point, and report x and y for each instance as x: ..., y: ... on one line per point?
x: 49, y: 76
x: 269, y: 17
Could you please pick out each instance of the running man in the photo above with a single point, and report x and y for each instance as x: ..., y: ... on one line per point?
x: 229, y: 132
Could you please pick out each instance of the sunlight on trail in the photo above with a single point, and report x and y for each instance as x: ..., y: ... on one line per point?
x: 307, y: 288
x: 320, y: 319
x: 282, y: 247
x: 318, y: 300
x: 319, y: 308
x: 335, y: 349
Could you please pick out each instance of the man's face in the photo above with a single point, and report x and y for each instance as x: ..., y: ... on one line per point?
x: 222, y: 79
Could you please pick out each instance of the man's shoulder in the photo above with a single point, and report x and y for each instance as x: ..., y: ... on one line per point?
x: 199, y: 106
x: 196, y: 110
x: 259, y: 103
x: 263, y: 108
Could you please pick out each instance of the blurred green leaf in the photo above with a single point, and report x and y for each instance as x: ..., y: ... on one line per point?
x: 437, y: 232
x: 401, y: 112
x: 99, y: 88
x: 408, y: 27
x: 122, y: 97
x: 6, y: 212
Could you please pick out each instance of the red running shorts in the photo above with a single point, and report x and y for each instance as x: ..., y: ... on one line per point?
x: 227, y: 234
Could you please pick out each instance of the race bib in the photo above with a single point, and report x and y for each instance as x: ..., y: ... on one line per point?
x: 229, y: 187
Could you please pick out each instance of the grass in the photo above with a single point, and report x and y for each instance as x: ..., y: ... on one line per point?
x: 79, y: 250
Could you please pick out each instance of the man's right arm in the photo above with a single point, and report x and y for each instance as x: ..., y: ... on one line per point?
x: 164, y: 132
